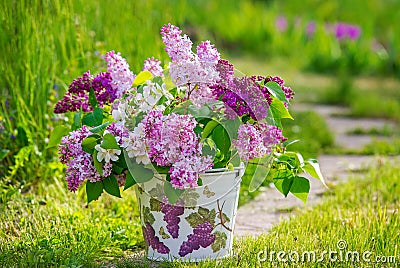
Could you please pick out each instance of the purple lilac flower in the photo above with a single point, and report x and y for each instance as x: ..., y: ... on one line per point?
x: 153, y: 66
x: 256, y: 141
x: 103, y: 90
x: 122, y: 76
x: 77, y: 96
x: 281, y: 23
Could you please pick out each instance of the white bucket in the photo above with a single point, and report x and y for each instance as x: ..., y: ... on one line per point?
x: 201, y: 222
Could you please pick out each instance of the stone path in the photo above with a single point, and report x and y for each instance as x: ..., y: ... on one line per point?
x: 270, y: 206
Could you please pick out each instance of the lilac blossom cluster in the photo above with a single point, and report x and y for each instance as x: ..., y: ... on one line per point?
x: 169, y: 140
x: 77, y: 96
x: 153, y: 66
x: 242, y: 95
x: 256, y: 141
x: 122, y: 76
x: 80, y: 165
x: 195, y: 71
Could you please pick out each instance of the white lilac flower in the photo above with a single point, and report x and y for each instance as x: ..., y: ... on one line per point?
x: 107, y: 154
x: 135, y: 145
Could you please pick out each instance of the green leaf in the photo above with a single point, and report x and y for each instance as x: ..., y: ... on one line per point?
x: 141, y: 78
x: 93, y: 190
x: 97, y: 164
x: 130, y: 181
x: 284, y: 185
x: 3, y: 153
x: 276, y: 112
x: 139, y: 173
x: 94, y: 118
x: 221, y: 139
x: 288, y: 143
x: 88, y: 144
x: 300, y: 188
x: 56, y: 136
x: 109, y: 142
x: 172, y: 193
x: 77, y: 121
x: 231, y: 127
x: 117, y: 169
x: 111, y: 186
x: 99, y: 128
x: 92, y: 98
x: 276, y: 91
x: 209, y: 148
x: 211, y: 125
x: 219, y: 242
x: 260, y: 172
x: 296, y: 158
x: 311, y: 166
x: 199, y: 112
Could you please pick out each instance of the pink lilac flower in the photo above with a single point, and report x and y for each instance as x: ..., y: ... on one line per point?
x: 122, y: 76
x: 79, y: 163
x: 169, y: 140
x: 195, y: 71
x: 178, y: 46
x: 185, y: 173
x: 281, y: 23
x: 207, y: 53
x: 153, y: 66
x: 256, y: 141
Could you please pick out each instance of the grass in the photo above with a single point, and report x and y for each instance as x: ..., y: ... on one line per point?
x: 54, y: 228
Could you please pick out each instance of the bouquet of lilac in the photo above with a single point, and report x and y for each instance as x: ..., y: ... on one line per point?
x: 193, y: 116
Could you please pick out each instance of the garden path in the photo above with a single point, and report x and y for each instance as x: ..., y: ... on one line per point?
x: 270, y: 206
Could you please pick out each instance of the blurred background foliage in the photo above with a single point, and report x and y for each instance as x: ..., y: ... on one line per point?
x: 45, y: 44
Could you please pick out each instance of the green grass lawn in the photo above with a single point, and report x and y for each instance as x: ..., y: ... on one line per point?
x: 52, y: 227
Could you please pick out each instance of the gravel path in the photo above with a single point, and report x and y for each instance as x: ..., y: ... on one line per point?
x: 269, y: 207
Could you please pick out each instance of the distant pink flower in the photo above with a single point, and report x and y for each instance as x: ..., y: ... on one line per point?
x: 281, y: 23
